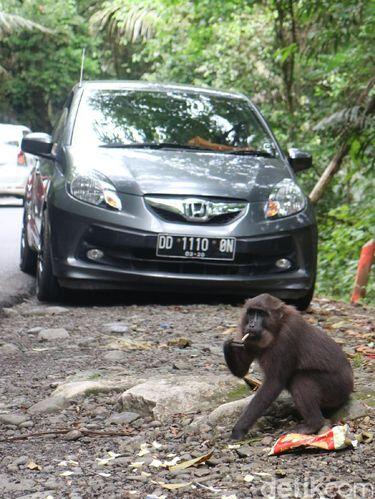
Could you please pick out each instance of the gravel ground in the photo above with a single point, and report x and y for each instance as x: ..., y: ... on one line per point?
x: 155, y: 340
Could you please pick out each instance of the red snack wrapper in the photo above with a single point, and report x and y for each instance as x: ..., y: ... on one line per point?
x: 333, y: 439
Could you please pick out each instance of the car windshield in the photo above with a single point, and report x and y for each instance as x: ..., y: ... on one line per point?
x: 143, y: 118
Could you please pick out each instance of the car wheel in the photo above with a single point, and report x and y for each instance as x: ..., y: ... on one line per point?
x: 28, y: 257
x: 304, y: 302
x: 47, y: 287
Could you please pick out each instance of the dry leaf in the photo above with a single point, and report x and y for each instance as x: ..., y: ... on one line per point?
x: 33, y: 466
x: 249, y: 478
x: 192, y: 462
x: 136, y: 464
x: 230, y: 330
x: 66, y: 473
x: 172, y: 486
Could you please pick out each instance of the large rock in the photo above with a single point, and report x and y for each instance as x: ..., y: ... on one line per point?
x: 164, y: 397
x: 230, y: 410
x: 77, y: 389
x: 116, y: 328
x: 74, y: 390
x: 53, y: 334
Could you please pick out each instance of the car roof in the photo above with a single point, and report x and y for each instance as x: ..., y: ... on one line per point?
x: 159, y: 87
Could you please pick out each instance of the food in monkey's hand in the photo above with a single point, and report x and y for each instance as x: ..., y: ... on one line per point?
x: 293, y: 355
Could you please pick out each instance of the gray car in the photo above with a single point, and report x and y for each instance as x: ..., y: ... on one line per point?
x: 166, y: 188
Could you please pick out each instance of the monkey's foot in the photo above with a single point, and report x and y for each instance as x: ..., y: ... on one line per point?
x: 238, y: 434
x: 312, y: 428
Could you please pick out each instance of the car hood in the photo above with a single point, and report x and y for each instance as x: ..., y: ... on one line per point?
x: 181, y: 172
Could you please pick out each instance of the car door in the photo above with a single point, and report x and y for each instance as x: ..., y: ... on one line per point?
x: 41, y: 177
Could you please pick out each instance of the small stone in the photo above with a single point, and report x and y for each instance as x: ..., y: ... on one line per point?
x: 279, y: 472
x: 245, y: 451
x: 53, y: 334
x: 202, y: 471
x: 21, y: 460
x: 34, y: 330
x: 118, y: 328
x: 116, y: 356
x: 13, y: 419
x: 26, y: 424
x: 267, y: 440
x: 51, y: 484
x: 123, y: 418
x: 73, y: 435
x: 8, y: 350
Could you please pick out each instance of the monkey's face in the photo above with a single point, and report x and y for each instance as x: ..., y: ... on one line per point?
x: 254, y: 324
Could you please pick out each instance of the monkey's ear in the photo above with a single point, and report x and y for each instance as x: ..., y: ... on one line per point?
x: 237, y: 358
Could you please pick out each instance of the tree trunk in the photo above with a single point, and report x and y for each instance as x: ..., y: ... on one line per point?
x: 328, y: 173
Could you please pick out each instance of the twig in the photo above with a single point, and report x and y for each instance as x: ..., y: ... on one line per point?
x: 251, y: 382
x: 84, y: 431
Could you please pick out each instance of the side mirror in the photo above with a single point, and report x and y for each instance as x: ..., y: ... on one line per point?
x: 39, y: 144
x: 299, y: 160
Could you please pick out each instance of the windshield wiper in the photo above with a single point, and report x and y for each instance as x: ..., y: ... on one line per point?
x: 251, y: 153
x: 154, y: 145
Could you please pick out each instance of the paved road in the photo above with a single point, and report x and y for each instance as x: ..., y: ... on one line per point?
x: 13, y: 283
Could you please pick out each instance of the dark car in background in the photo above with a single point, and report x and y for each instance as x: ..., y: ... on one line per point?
x: 166, y: 188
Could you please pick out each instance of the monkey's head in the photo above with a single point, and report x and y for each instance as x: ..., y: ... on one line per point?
x: 260, y: 319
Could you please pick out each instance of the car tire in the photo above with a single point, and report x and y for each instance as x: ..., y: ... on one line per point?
x: 303, y: 303
x: 47, y: 286
x: 28, y: 257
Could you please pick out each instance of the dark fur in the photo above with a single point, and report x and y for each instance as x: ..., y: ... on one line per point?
x: 293, y: 355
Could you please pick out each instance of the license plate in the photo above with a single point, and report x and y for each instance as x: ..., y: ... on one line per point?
x: 204, y: 248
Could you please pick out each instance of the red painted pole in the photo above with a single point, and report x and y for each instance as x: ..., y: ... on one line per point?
x: 363, y: 271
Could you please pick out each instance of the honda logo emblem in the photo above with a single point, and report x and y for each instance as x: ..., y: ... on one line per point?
x: 196, y: 209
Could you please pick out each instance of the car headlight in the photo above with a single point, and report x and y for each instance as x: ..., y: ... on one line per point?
x: 96, y: 189
x: 285, y: 199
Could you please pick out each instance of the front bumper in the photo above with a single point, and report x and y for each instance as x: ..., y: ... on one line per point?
x: 130, y: 260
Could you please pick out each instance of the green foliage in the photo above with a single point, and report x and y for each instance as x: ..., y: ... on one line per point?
x: 343, y: 231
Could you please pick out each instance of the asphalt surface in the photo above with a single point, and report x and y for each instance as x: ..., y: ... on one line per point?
x: 14, y: 284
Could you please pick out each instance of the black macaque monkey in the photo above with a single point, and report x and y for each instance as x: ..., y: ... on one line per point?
x: 293, y: 355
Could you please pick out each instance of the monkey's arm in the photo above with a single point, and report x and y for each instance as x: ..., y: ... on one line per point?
x: 238, y: 359
x: 267, y: 393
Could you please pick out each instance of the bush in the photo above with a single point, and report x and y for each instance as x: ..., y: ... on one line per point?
x: 342, y: 233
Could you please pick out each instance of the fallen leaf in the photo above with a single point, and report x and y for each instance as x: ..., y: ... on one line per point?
x: 365, y: 437
x: 172, y: 462
x: 172, y: 486
x: 144, y: 450
x: 106, y: 475
x: 230, y: 330
x: 192, y: 462
x: 66, y: 473
x: 136, y: 464
x: 156, y: 463
x: 249, y: 478
x: 33, y: 466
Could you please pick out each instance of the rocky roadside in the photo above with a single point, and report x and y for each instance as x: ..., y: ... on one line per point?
x: 114, y: 396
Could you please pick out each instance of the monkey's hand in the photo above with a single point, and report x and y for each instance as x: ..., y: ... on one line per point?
x: 238, y: 359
